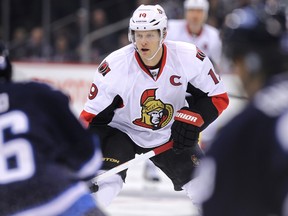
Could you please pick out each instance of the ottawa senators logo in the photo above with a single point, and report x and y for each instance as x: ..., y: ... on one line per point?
x: 104, y: 68
x: 154, y: 114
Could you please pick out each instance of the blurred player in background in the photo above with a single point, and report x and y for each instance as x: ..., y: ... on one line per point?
x: 247, y: 165
x: 194, y: 29
x: 45, y: 152
x: 137, y: 102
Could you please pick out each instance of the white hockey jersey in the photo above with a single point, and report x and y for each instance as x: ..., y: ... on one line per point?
x: 149, y: 104
x: 208, y: 40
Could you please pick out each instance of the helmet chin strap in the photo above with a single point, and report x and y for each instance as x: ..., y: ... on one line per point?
x: 159, y: 47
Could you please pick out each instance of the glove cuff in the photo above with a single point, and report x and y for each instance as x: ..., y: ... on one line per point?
x: 189, y: 117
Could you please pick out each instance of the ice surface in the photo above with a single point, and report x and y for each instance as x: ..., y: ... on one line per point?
x: 142, y: 198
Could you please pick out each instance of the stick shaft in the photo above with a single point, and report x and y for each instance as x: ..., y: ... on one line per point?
x: 134, y: 161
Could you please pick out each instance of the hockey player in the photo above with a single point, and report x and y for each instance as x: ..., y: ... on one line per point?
x: 45, y: 152
x: 194, y: 29
x: 247, y: 165
x: 137, y: 102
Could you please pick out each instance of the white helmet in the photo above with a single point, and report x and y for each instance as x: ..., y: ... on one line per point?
x: 196, y: 4
x: 146, y: 18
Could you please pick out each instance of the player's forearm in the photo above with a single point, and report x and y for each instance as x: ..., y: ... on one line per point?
x: 208, y: 107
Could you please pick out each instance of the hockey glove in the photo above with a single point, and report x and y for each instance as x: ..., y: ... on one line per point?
x: 185, y: 129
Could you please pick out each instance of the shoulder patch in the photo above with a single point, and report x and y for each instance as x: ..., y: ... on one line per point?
x: 104, y: 68
x: 200, y: 55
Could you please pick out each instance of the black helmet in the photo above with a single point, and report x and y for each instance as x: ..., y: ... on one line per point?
x: 255, y: 35
x: 5, y: 65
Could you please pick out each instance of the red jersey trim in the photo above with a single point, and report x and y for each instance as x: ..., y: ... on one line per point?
x: 85, y: 118
x: 145, y: 69
x: 221, y: 102
x: 164, y: 58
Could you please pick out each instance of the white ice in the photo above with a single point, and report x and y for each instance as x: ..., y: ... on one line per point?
x: 142, y: 198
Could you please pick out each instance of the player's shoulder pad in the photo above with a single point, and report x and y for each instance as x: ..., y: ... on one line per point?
x: 184, y: 49
x: 175, y: 22
x: 44, y: 92
x: 116, y: 61
x: 180, y: 46
x: 272, y: 98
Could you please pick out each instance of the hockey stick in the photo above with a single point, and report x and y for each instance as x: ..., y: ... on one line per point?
x: 240, y: 97
x: 129, y: 163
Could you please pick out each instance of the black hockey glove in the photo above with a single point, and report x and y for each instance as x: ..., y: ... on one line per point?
x: 185, y: 129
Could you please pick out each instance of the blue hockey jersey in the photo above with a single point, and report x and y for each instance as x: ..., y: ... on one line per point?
x: 247, y: 165
x: 45, y: 153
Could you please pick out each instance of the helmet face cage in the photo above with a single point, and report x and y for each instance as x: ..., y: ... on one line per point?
x: 147, y: 18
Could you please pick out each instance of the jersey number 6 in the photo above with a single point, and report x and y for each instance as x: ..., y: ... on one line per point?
x: 17, y: 149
